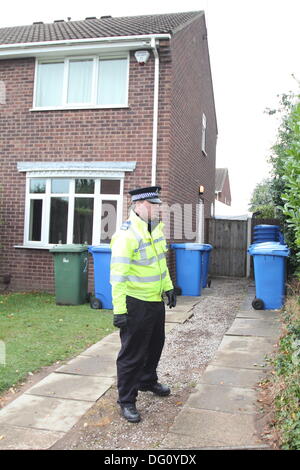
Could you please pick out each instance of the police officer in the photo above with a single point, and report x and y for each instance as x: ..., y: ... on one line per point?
x: 139, y: 277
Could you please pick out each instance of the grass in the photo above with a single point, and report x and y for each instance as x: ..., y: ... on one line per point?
x: 35, y: 332
x: 285, y: 386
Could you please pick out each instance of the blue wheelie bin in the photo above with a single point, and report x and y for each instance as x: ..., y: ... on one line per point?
x: 270, y: 274
x: 189, y: 259
x: 264, y: 233
x: 206, y: 247
x: 103, y: 296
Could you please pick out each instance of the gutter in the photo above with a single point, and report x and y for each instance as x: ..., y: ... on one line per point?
x: 155, y: 112
x: 35, y: 49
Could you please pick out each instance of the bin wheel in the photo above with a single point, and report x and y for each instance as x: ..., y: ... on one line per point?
x: 95, y: 303
x: 258, y: 304
x: 209, y: 283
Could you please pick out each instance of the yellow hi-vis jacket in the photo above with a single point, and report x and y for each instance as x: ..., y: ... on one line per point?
x: 138, y: 263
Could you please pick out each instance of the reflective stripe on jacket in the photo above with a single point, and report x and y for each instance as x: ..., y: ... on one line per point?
x: 138, y: 263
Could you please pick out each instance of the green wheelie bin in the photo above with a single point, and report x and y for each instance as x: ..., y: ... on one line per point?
x: 71, y: 274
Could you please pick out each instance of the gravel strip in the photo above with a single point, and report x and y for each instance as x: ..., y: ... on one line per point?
x: 189, y: 347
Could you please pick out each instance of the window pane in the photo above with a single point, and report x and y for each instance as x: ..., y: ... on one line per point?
x: 83, y: 220
x: 112, y: 81
x: 35, y: 220
x: 60, y: 186
x: 83, y: 186
x: 58, y: 220
x: 108, y: 220
x: 80, y: 81
x: 110, y: 187
x: 37, y: 185
x: 49, y: 84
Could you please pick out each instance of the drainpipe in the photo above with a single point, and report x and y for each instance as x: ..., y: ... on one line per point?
x: 155, y: 112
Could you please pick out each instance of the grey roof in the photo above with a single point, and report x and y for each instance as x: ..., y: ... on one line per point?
x: 97, y: 28
x: 221, y: 174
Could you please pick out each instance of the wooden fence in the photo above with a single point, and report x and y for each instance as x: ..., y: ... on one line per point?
x: 229, y: 241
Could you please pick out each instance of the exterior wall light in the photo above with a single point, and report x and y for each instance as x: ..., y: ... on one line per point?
x: 201, y: 189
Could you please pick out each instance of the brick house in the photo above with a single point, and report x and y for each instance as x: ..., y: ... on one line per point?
x: 83, y: 121
x: 222, y: 191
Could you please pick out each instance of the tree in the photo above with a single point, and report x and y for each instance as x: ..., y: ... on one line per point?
x: 262, y: 199
x: 285, y: 160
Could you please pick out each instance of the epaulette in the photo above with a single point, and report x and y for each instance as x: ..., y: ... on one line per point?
x: 125, y: 225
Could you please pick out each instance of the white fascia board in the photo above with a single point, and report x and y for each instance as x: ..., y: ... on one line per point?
x: 76, y: 46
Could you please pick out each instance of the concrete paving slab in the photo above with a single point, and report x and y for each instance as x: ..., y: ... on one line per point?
x: 112, y: 338
x: 178, y: 317
x: 17, y: 438
x: 247, y: 344
x: 242, y: 360
x: 89, y: 365
x: 223, y: 398
x: 259, y: 314
x: 74, y: 387
x: 187, y: 301
x: 102, y: 349
x: 254, y: 327
x: 169, y: 327
x: 53, y: 414
x: 244, y: 352
x: 194, y: 428
x: 218, y: 375
x: 247, y: 303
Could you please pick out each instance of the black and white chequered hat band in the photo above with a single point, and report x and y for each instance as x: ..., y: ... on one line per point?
x: 136, y: 197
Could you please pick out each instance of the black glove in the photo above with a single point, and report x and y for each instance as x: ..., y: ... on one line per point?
x: 121, y: 320
x: 171, y: 298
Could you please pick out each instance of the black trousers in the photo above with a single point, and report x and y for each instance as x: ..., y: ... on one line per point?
x: 142, y: 343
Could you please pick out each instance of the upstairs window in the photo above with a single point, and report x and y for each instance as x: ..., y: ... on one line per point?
x: 81, y: 82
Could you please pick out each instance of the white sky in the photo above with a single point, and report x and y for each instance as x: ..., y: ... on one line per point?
x: 254, y: 50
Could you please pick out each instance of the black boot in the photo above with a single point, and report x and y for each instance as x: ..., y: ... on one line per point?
x: 157, y: 388
x: 130, y: 413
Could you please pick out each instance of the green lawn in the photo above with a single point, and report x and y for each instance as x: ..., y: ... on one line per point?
x: 35, y: 332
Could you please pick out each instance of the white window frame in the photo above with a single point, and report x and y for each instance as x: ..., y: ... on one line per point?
x: 203, y: 138
x: 66, y: 61
x: 46, y: 197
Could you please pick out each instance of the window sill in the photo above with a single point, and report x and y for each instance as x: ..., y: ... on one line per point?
x: 73, y: 108
x: 34, y: 247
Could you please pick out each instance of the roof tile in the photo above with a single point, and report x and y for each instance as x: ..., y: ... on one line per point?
x: 94, y: 28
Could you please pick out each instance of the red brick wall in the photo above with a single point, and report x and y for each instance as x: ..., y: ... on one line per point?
x: 73, y: 135
x: 192, y: 95
x: 110, y: 135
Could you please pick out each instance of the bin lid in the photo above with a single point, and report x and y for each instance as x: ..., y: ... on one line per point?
x: 192, y: 246
x: 269, y: 248
x: 104, y: 248
x: 266, y: 227
x: 71, y: 248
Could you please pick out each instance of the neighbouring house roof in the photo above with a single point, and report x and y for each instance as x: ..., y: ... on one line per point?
x: 221, y: 174
x: 97, y: 28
